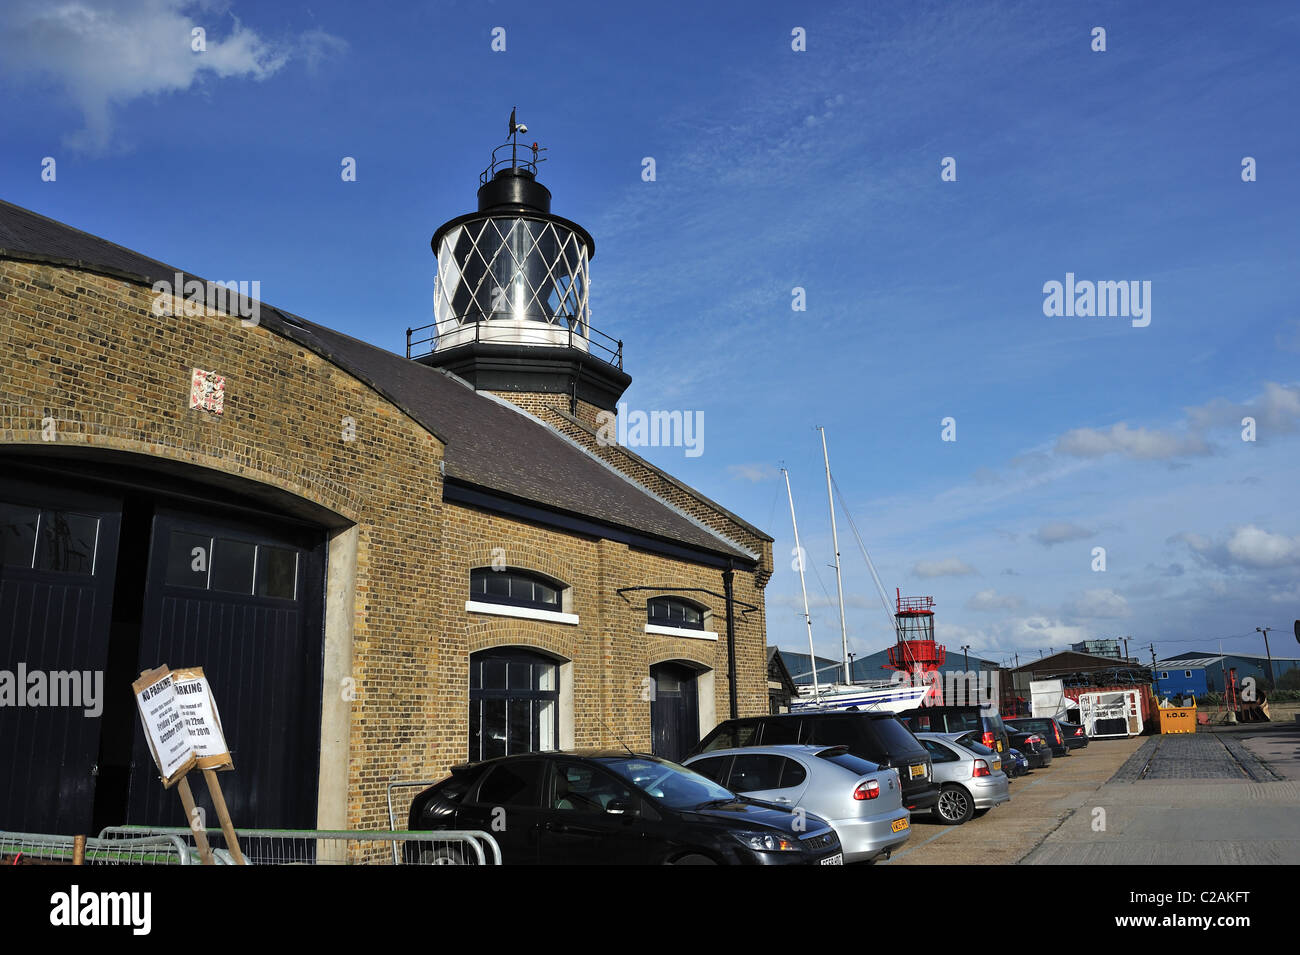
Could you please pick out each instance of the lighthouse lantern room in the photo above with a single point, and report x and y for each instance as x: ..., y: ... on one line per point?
x: 511, y: 298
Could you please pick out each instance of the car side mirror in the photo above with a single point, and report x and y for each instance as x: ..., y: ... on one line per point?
x: 621, y: 807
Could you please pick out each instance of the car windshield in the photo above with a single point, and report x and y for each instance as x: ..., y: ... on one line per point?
x: 675, y: 786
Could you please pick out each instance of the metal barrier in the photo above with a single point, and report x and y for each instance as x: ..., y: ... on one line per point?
x: 424, y: 784
x: 136, y: 849
x: 331, y: 846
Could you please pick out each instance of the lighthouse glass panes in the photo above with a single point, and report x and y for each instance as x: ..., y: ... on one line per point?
x: 528, y: 273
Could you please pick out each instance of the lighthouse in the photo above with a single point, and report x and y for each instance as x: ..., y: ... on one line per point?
x: 511, y: 300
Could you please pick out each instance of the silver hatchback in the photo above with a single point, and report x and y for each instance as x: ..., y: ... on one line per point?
x: 969, y: 776
x: 862, y: 801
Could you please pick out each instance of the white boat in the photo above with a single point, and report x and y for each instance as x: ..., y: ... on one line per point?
x: 884, y: 696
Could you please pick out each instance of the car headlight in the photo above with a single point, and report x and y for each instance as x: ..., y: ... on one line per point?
x: 767, y: 841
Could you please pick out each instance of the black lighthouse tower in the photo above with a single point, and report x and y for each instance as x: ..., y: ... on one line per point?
x: 511, y: 312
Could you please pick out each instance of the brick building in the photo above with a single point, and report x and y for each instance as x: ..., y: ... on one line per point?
x: 385, y: 564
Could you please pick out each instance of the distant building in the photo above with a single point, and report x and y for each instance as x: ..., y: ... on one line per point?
x: 1080, y: 669
x: 865, y: 669
x: 1199, y: 672
x: 781, y: 687
x: 1100, y: 648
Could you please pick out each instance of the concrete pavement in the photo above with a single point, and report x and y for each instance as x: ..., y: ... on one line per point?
x: 1231, y: 796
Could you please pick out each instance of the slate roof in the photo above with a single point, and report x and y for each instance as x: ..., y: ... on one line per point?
x: 486, y: 440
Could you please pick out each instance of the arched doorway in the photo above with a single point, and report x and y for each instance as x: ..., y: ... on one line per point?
x: 674, y: 710
x: 148, y: 569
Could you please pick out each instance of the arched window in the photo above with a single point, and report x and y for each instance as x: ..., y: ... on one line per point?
x: 515, y: 588
x: 514, y: 703
x: 674, y: 612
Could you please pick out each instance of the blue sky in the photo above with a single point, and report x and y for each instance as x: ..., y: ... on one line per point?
x: 778, y: 169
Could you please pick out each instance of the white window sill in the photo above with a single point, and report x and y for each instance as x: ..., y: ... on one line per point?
x: 525, y: 613
x: 680, y: 632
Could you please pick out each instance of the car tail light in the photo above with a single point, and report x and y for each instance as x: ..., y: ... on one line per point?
x: 869, y: 789
x: 990, y: 741
x: 1057, y: 729
x: 982, y: 768
x: 1079, y: 731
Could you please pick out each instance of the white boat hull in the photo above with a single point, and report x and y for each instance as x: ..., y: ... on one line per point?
x: 889, y: 698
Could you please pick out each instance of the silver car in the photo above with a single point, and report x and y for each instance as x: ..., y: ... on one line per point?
x: 969, y: 776
x: 862, y: 801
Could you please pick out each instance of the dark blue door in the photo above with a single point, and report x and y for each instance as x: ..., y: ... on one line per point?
x: 58, y: 552
x: 242, y: 600
x: 674, y: 711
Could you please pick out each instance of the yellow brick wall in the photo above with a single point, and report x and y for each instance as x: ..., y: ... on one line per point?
x: 87, y: 350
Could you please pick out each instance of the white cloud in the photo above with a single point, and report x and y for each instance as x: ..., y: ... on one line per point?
x: 752, y: 472
x: 992, y: 600
x: 1248, y: 546
x: 1104, y: 604
x: 1277, y: 408
x: 1141, y: 443
x: 1058, y: 532
x: 106, y: 53
x: 949, y: 567
x: 1254, y: 547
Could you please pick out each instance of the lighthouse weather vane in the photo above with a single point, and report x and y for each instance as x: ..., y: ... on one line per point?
x: 515, y: 129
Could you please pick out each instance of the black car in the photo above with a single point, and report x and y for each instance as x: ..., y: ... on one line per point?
x: 1032, y: 745
x: 987, y: 724
x: 609, y: 808
x: 1045, y: 727
x: 1076, y: 737
x: 877, y: 737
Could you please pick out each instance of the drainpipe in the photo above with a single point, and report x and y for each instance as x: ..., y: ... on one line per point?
x: 728, y: 578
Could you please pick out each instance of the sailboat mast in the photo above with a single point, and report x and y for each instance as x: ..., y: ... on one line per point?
x: 798, y: 554
x: 839, y: 580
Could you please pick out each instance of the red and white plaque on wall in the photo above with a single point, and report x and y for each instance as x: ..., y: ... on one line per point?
x: 208, y: 391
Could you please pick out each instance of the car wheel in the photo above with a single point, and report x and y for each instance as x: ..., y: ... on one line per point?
x: 955, y: 805
x: 448, y: 855
x: 694, y: 859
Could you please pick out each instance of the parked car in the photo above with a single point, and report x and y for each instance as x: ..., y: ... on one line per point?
x: 1032, y: 745
x: 605, y: 807
x: 959, y: 719
x: 1076, y: 737
x: 1046, y: 727
x: 861, y: 801
x: 1014, y: 763
x: 969, y: 775
x: 876, y: 737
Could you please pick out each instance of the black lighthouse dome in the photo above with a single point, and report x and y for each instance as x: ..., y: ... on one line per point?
x: 511, y: 300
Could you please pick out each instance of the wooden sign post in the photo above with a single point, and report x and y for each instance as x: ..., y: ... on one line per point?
x: 164, y: 728
x: 203, y: 723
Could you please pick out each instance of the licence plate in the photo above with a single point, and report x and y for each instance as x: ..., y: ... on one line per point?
x: 900, y: 824
x: 837, y: 859
x: 917, y: 769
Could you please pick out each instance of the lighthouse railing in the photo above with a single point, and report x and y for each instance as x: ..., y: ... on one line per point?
x: 452, y: 332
